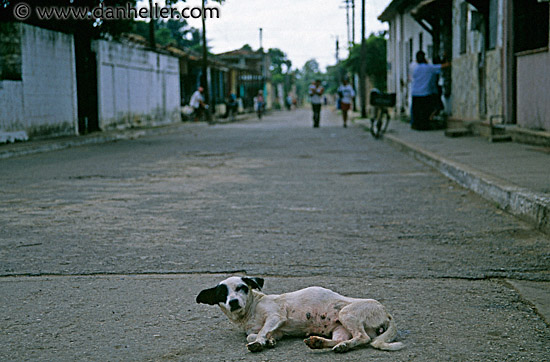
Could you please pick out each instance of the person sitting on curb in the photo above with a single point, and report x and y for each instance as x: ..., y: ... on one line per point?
x: 197, y: 102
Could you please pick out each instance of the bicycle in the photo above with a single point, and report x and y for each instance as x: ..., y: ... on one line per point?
x: 381, y: 118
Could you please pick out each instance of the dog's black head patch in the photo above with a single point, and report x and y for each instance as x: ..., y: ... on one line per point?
x: 214, y: 295
x: 254, y: 283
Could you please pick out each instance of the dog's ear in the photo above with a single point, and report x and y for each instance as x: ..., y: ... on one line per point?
x: 254, y: 283
x: 213, y: 296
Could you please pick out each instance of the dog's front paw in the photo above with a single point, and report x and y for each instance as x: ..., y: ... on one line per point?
x: 255, y: 346
x: 341, y: 347
x: 270, y: 343
x: 314, y: 342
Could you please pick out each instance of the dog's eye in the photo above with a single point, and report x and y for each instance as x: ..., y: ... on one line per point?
x: 242, y: 288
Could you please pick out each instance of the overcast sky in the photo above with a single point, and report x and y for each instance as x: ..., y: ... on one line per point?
x: 303, y: 29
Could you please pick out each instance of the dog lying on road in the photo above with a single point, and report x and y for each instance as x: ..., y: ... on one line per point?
x: 328, y: 319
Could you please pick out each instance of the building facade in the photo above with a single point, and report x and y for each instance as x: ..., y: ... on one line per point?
x: 406, y: 38
x: 499, y: 51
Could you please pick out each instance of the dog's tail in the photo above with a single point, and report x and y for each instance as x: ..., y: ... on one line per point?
x: 384, y: 341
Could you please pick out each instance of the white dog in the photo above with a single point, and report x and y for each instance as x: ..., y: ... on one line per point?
x: 329, y: 319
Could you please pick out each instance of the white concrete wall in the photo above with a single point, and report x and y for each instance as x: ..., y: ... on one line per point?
x: 402, y: 28
x: 44, y: 102
x: 136, y: 87
x: 533, y: 96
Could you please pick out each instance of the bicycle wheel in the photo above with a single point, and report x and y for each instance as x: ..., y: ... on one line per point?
x: 380, y: 125
x: 373, y: 122
x: 385, y: 122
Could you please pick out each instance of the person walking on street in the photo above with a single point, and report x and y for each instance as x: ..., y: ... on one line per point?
x: 346, y: 93
x: 197, y: 102
x: 232, y: 106
x: 288, y: 102
x: 259, y: 103
x: 423, y: 89
x: 316, y: 91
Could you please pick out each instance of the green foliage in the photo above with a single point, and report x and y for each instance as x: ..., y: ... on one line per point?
x: 334, y: 77
x: 174, y: 32
x: 311, y: 69
x: 375, y: 62
x: 163, y: 36
x: 309, y: 72
x: 278, y: 60
x: 280, y: 68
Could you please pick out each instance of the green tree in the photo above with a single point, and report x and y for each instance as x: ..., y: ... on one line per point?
x: 309, y: 72
x: 334, y: 76
x: 175, y: 32
x: 311, y: 68
x: 278, y: 60
x: 280, y: 68
x: 376, y: 65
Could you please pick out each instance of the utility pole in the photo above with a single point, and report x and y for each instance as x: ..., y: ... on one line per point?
x: 337, y: 50
x: 347, y: 3
x: 261, y: 38
x: 362, y: 71
x: 347, y: 21
x: 352, y: 22
x: 204, y: 78
x: 264, y: 60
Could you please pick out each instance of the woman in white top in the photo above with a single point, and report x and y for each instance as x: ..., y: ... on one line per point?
x: 346, y: 93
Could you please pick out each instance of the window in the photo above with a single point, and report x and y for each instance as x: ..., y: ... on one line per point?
x: 463, y: 26
x: 485, y: 19
x: 420, y: 42
x: 493, y: 25
x: 530, y: 25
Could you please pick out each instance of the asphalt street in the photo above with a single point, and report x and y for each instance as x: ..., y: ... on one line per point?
x: 103, y: 248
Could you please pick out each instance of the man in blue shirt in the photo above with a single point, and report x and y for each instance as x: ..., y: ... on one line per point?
x: 424, y: 88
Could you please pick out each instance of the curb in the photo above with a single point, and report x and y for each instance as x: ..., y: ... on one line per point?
x: 30, y: 148
x: 521, y: 202
x: 60, y: 145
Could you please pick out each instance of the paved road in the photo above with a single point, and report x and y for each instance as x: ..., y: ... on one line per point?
x: 103, y: 248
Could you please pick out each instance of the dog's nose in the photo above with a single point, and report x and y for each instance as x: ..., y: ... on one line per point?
x: 234, y: 304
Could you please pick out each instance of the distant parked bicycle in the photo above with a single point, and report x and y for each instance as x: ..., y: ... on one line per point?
x: 381, y: 118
